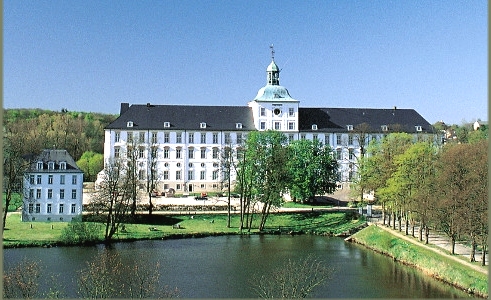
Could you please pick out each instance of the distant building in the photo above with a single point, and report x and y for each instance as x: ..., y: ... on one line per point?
x: 188, y: 140
x: 52, y: 188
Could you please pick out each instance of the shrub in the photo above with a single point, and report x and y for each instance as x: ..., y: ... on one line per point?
x: 78, y: 232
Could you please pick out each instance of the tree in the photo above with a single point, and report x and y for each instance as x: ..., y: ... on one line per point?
x: 266, y: 169
x: 312, y: 171
x: 293, y: 279
x: 91, y: 164
x: 114, y: 195
x: 153, y: 175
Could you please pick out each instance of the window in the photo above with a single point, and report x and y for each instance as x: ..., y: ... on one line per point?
x: 314, y: 126
x: 62, y: 179
x: 141, y: 152
x: 291, y: 137
x: 129, y: 124
x: 51, y: 165
x: 384, y: 127
x: 48, y: 208
x: 60, y: 208
x: 302, y: 136
x: 50, y: 194
x: 74, y: 206
x: 202, y: 175
x: 215, y: 153
x: 117, y: 137
x: 203, y: 138
x: 326, y: 139
x: 215, y: 138
x: 314, y: 137
x: 142, y: 137
x: 178, y: 186
x: 62, y: 165
x: 166, y: 124
x: 239, y: 138
x: 351, y: 154
x: 154, y: 138
x: 38, y: 208
x: 166, y: 152
x: 74, y: 194
x: 130, y: 137
x: 166, y: 137
x: 62, y: 194
x: 190, y: 175
x: 262, y: 112
x: 31, y: 194
x: 277, y: 125
x: 191, y: 152
x: 116, y: 152
x: 291, y: 125
x: 238, y: 125
x: 262, y: 126
x: 191, y: 138
x: 38, y: 179
x: 338, y: 153
x: 74, y: 179
x: 31, y: 208
x: 338, y: 139
x: 349, y: 127
x: 419, y: 128
x: 178, y: 153
x: 141, y: 175
x: 215, y: 175
x: 31, y: 179
x: 350, y: 139
x: 179, y: 138
x: 50, y: 179
x: 202, y: 125
x: 190, y: 165
x: 178, y: 175
x: 39, y: 165
x: 291, y: 112
x: 165, y: 175
x: 203, y: 153
x: 227, y: 138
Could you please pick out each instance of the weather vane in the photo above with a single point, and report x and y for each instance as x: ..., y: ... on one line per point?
x: 272, y: 51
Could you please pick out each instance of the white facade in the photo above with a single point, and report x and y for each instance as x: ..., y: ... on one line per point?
x: 52, y: 189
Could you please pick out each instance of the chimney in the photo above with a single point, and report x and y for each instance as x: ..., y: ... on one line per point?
x: 124, y: 107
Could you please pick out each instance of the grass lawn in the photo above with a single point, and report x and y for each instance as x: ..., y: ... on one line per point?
x: 161, y: 226
x: 430, y: 262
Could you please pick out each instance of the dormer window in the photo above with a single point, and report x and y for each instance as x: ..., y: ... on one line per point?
x: 238, y: 125
x: 62, y: 165
x: 129, y: 124
x: 349, y: 127
x: 418, y: 128
x: 51, y: 165
x: 166, y: 124
x: 39, y: 165
x: 385, y: 127
x: 202, y: 125
x: 314, y: 126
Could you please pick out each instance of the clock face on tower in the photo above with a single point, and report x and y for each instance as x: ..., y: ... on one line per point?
x: 277, y: 111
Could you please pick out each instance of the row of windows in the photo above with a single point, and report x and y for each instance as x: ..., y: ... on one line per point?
x: 140, y: 153
x: 49, y: 194
x: 49, y: 208
x: 51, y: 165
x: 179, y: 175
x: 140, y: 137
x: 38, y: 179
x: 277, y: 111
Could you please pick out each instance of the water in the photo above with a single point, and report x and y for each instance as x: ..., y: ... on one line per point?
x: 221, y: 267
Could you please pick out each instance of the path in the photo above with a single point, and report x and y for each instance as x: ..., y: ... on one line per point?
x: 462, y: 251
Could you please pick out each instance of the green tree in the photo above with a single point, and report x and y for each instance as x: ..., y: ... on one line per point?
x: 313, y: 169
x: 91, y: 163
x: 79, y: 232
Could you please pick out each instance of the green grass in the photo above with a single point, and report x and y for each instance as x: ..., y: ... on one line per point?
x: 291, y: 204
x: 20, y: 233
x: 430, y: 262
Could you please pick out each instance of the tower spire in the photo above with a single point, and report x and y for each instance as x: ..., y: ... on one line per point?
x: 272, y: 51
x: 273, y: 71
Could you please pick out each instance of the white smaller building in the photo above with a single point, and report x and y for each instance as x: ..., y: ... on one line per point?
x: 53, y: 188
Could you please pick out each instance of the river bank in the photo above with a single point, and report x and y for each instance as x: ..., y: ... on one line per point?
x: 431, y: 261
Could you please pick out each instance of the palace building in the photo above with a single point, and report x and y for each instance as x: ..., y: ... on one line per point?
x: 185, y: 143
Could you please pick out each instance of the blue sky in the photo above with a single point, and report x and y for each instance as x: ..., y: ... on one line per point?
x: 92, y: 55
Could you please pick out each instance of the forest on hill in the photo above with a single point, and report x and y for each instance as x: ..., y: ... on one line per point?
x: 76, y: 132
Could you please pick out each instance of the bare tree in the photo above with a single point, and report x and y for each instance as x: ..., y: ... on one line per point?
x: 153, y: 176
x: 293, y: 279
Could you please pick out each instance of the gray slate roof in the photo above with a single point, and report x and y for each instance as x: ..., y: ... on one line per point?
x: 56, y: 156
x: 337, y: 119
x: 184, y: 117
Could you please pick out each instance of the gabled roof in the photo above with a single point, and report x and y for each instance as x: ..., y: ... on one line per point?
x: 184, y: 117
x: 56, y: 156
x: 337, y: 119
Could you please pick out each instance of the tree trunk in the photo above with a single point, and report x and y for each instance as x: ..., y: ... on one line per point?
x: 452, y: 240
x: 407, y: 226
x: 472, y: 257
x: 383, y: 214
x: 421, y: 226
x: 484, y: 248
x: 427, y: 234
x: 150, y: 206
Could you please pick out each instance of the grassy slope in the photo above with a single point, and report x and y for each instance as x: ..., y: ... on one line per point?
x: 21, y: 234
x: 428, y: 261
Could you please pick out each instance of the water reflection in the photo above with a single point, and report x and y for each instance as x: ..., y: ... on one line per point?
x: 221, y: 267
